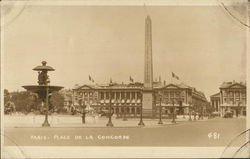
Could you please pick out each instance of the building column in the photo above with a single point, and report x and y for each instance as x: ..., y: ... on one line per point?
x: 221, y: 94
x: 234, y: 99
x: 125, y: 96
x: 135, y: 112
x: 240, y: 96
x: 120, y: 111
x: 221, y: 100
x: 125, y: 102
x: 216, y: 105
x: 185, y: 96
x: 120, y: 97
x: 130, y: 99
x: 212, y: 102
x: 135, y: 98
x: 88, y: 100
x: 104, y: 98
x: 221, y: 113
x: 241, y: 109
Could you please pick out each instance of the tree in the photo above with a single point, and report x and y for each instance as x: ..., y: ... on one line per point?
x: 24, y: 101
x: 57, y: 101
x: 9, y: 106
x: 209, y: 108
x: 6, y: 96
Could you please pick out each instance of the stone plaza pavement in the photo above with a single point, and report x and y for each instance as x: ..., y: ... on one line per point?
x: 90, y: 121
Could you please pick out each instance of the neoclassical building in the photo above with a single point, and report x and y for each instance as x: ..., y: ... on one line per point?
x: 128, y: 98
x: 185, y: 98
x: 232, y: 97
x: 121, y: 96
x: 215, y: 101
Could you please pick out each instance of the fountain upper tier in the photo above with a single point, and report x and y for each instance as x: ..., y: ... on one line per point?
x: 43, y: 80
x: 44, y: 67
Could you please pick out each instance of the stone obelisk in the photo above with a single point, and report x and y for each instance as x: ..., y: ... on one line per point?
x: 147, y: 102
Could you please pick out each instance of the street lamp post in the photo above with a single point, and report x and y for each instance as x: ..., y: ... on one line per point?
x: 141, y: 123
x: 110, y: 124
x: 46, y: 122
x: 173, y: 113
x: 83, y: 113
x: 194, y: 115
x: 238, y: 109
x: 189, y: 111
x: 181, y: 108
x: 160, y: 120
x: 124, y: 111
x: 190, y: 119
x: 202, y: 113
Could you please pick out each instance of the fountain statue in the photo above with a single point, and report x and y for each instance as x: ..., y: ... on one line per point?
x: 43, y: 89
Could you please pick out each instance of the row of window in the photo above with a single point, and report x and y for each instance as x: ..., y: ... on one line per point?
x: 127, y: 94
x: 173, y: 94
x: 86, y: 94
x: 113, y: 94
x: 232, y: 101
x: 231, y: 94
x: 121, y: 95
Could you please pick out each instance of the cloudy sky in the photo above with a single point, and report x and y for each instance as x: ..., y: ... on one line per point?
x: 203, y: 45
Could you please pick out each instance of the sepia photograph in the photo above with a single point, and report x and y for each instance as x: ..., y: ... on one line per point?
x: 125, y: 79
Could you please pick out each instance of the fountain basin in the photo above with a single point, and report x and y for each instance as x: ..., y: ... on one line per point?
x: 41, y: 88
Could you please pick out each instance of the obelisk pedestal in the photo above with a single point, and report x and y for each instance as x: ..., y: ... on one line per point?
x: 147, y: 111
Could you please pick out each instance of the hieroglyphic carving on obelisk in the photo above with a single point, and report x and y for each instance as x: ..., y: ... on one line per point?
x: 148, y: 64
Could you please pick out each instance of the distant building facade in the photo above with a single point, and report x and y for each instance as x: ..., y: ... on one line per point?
x: 215, y: 101
x: 121, y: 96
x: 232, y: 97
x: 67, y: 96
x: 186, y: 99
x: 127, y: 98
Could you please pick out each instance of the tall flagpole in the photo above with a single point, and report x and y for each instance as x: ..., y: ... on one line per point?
x: 171, y: 78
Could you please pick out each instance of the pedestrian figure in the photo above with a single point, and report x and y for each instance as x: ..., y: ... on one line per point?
x: 199, y: 116
x: 194, y: 115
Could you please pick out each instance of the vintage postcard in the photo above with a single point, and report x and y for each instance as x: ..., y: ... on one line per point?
x: 125, y: 79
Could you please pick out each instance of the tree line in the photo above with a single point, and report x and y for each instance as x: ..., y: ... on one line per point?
x: 26, y: 102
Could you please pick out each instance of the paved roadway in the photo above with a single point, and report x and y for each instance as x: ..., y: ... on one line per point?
x: 181, y: 134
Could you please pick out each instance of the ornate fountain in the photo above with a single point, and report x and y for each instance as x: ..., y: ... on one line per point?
x: 43, y: 89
